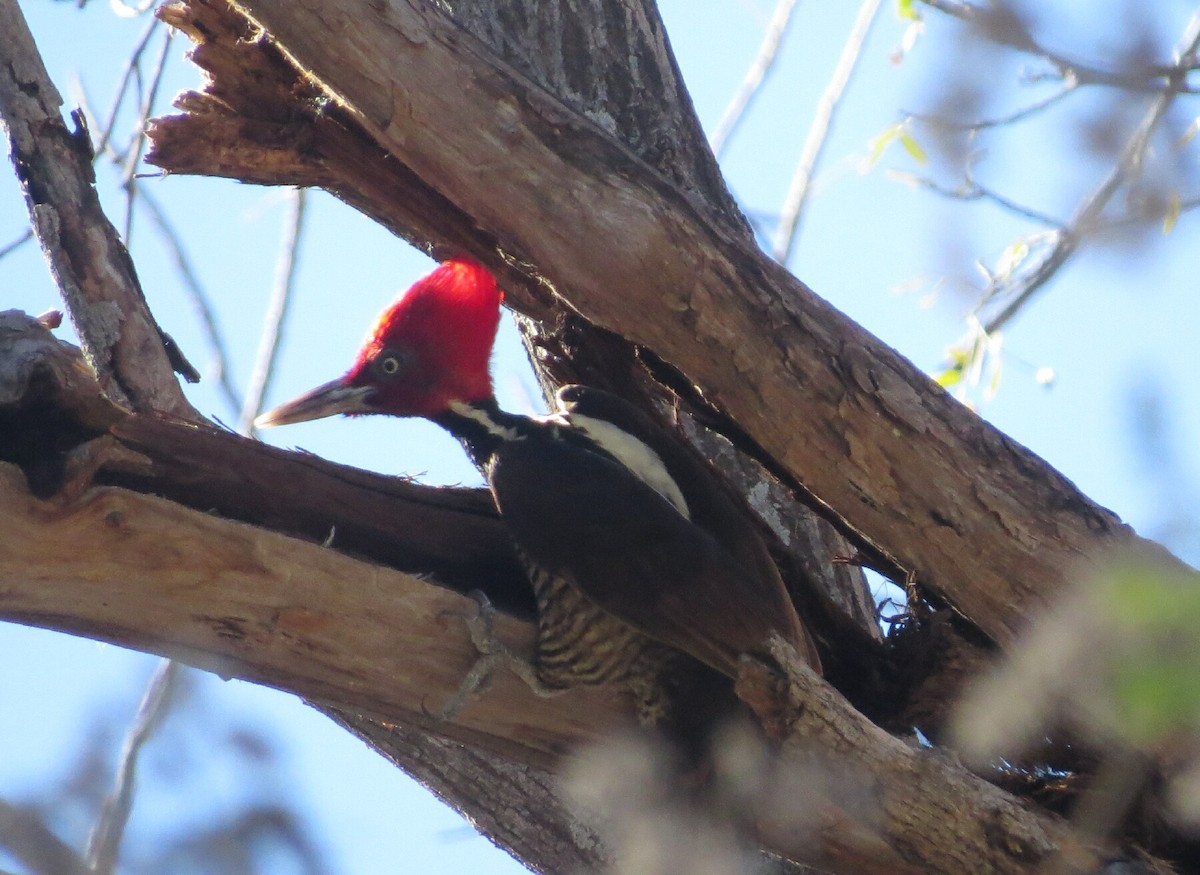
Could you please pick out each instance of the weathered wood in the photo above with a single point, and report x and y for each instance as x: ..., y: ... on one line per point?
x: 920, y: 481
x: 245, y: 602
x: 520, y: 180
x: 551, y: 839
x: 255, y: 121
x: 978, y: 518
x: 383, y: 649
x: 453, y: 534
x: 93, y: 271
x: 862, y: 775
x: 50, y: 403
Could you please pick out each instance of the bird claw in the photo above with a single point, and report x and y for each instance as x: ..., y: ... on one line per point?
x: 493, y: 654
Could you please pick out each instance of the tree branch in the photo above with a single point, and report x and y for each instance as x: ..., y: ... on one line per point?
x: 105, y: 840
x: 308, y: 620
x: 1001, y: 25
x: 1088, y: 213
x: 273, y: 319
x: 28, y: 839
x: 762, y: 64
x: 383, y: 646
x: 818, y: 135
x: 90, y: 266
x: 916, y: 480
x: 142, y: 572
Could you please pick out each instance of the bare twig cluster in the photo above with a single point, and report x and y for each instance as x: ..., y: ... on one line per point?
x: 1033, y: 260
x: 788, y: 221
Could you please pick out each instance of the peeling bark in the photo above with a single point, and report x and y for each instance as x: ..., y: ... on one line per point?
x: 379, y: 649
x: 93, y: 271
x: 611, y: 225
x: 916, y: 481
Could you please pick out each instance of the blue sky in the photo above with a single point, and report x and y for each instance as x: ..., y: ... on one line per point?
x: 1116, y: 324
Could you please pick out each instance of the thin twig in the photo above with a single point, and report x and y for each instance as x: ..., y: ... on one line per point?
x: 1132, y: 219
x: 1086, y: 218
x: 139, y: 138
x: 120, y: 157
x: 105, y: 840
x: 818, y: 134
x: 205, y: 311
x: 755, y: 76
x: 268, y: 348
x: 126, y: 73
x: 1001, y: 26
x: 18, y: 243
x: 1068, y: 87
x: 970, y: 190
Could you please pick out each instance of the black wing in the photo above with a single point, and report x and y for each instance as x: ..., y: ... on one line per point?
x: 578, y: 514
x: 713, y: 506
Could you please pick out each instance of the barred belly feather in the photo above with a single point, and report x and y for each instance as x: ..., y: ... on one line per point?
x: 579, y: 643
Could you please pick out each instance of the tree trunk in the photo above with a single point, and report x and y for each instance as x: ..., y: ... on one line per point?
x: 581, y: 177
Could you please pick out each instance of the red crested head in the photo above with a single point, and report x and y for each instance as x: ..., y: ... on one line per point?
x: 431, y: 347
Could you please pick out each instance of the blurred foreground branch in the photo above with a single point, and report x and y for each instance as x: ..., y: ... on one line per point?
x: 1000, y: 23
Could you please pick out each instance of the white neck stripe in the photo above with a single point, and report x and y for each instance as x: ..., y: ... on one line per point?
x: 474, y: 414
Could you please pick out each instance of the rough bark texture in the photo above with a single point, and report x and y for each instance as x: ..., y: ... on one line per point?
x: 551, y: 841
x: 611, y: 64
x: 90, y: 265
x: 379, y: 648
x: 256, y: 121
x: 382, y: 648
x: 599, y: 207
x: 920, y: 483
x: 254, y: 620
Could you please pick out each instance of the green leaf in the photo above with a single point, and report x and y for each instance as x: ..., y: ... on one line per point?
x: 993, y: 386
x: 1155, y: 698
x: 952, y: 376
x: 878, y: 145
x: 1191, y: 132
x: 906, y: 9
x: 912, y: 147
x: 1155, y: 639
x: 1011, y: 258
x: 1174, y: 207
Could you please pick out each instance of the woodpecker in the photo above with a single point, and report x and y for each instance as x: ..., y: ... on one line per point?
x: 639, y: 558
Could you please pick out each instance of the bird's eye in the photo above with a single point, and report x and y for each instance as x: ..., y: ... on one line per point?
x: 391, y: 362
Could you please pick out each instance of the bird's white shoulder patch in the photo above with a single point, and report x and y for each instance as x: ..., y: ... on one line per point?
x: 631, y: 452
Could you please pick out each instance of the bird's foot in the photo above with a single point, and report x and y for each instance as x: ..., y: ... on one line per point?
x: 493, y: 654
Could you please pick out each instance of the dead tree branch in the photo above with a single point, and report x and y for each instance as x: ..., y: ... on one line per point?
x: 90, y: 266
x: 247, y: 602
x: 917, y: 481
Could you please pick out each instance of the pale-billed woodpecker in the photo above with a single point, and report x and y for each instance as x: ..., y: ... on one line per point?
x: 636, y: 553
